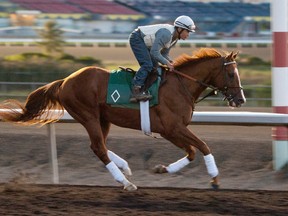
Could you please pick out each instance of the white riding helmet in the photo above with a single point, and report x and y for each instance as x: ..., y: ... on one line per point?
x: 185, y: 22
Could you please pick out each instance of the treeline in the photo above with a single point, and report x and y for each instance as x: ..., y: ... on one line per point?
x: 38, y: 67
x: 47, y: 66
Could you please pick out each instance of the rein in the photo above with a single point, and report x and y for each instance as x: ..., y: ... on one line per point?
x: 215, y: 90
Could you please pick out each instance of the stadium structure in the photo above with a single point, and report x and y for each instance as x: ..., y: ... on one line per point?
x: 116, y: 19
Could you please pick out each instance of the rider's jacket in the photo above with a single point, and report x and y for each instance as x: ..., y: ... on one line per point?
x: 149, y: 34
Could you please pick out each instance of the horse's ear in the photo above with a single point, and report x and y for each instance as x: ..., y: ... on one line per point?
x: 233, y: 55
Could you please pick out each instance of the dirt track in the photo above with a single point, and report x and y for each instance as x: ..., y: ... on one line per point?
x: 88, y: 200
x: 249, y: 185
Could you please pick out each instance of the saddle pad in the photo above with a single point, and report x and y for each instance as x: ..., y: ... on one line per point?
x: 119, y: 90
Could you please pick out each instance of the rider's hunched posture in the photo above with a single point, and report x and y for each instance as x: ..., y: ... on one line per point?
x: 151, y: 45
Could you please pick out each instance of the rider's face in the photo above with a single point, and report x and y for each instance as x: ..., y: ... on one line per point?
x: 184, y: 34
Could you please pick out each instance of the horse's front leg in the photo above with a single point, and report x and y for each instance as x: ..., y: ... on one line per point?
x: 185, y: 139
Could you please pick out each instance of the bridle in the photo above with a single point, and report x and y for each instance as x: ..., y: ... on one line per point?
x: 227, y: 96
x: 215, y: 90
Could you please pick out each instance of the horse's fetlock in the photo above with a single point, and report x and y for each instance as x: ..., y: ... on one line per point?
x: 160, y: 169
x: 191, y: 157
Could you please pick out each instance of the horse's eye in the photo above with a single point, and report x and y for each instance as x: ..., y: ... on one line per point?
x: 231, y: 74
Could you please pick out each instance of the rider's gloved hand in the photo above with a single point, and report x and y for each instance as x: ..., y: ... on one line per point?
x: 170, y: 66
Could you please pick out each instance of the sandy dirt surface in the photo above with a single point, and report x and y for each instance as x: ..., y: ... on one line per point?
x: 249, y: 185
x: 87, y: 200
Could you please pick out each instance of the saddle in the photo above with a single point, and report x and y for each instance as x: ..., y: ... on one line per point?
x: 152, y: 76
x: 119, y: 88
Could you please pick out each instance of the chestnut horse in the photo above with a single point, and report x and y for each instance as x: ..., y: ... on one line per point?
x: 83, y: 95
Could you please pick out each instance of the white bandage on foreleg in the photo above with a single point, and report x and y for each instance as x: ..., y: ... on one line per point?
x: 211, y: 165
x: 175, y: 167
x: 120, y: 162
x: 116, y: 173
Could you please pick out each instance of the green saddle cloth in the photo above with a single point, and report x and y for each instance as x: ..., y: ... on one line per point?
x: 119, y: 90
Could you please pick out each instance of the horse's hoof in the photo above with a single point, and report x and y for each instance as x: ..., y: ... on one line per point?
x: 160, y: 169
x: 130, y: 187
x: 127, y: 172
x: 214, y: 185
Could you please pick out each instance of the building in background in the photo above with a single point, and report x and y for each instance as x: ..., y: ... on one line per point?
x: 116, y: 19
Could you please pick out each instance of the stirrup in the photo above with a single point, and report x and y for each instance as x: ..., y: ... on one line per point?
x: 145, y: 97
x: 140, y: 97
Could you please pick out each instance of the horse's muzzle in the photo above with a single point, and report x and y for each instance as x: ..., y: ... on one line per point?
x: 237, y: 101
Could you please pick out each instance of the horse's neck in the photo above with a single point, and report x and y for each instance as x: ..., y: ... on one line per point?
x: 202, y: 72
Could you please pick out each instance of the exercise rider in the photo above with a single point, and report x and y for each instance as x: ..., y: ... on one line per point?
x: 151, y: 45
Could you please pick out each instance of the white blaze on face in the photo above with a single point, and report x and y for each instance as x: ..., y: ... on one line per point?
x: 239, y: 84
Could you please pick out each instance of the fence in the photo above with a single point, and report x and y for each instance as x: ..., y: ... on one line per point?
x: 124, y: 42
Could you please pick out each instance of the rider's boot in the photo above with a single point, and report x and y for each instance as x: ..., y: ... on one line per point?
x: 139, y: 95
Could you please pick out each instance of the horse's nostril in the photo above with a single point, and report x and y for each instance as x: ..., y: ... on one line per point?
x: 241, y: 100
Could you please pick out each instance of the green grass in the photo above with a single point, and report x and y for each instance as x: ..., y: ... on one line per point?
x: 255, y: 75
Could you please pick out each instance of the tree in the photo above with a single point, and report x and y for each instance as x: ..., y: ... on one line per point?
x: 52, y: 41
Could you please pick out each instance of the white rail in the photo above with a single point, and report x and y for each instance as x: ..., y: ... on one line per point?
x: 240, y: 118
x: 226, y: 118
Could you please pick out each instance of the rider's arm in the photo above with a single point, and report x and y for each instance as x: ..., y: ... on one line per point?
x: 162, y: 37
x: 165, y: 53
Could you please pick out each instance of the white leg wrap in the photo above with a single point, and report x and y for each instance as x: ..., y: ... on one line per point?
x: 211, y: 165
x: 117, y: 174
x: 120, y: 162
x: 175, y: 167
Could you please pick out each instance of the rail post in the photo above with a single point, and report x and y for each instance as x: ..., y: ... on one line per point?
x: 279, y: 24
x: 53, y: 153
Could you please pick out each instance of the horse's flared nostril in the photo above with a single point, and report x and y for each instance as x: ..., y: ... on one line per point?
x: 241, y: 100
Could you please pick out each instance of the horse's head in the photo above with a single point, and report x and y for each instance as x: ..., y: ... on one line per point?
x: 228, y: 81
x: 220, y: 75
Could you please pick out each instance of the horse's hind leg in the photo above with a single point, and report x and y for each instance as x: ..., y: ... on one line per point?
x: 98, y: 131
x: 98, y: 146
x: 120, y: 162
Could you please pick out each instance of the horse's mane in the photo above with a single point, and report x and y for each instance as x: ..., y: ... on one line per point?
x: 203, y: 53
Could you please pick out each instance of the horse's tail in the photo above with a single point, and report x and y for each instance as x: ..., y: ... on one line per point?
x: 37, y: 108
